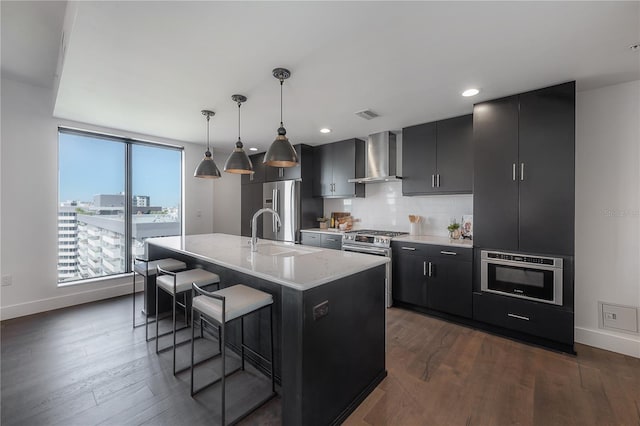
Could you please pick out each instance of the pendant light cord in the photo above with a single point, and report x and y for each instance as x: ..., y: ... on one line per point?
x: 239, y: 104
x: 281, y: 81
x: 208, y: 118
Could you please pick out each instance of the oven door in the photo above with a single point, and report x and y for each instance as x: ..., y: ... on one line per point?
x: 527, y: 281
x: 376, y: 251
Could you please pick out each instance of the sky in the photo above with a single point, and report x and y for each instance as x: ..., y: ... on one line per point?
x: 88, y: 166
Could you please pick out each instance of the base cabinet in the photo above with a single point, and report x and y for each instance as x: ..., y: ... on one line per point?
x: 537, y: 319
x: 433, y: 277
x: 324, y: 240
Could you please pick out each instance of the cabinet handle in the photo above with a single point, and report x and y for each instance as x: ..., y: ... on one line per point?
x: 331, y: 239
x: 449, y: 253
x: 513, y: 172
x: 430, y: 269
x: 520, y: 317
x: 521, y: 171
x: 251, y: 177
x: 433, y: 181
x: 424, y: 268
x: 408, y: 248
x: 280, y: 172
x: 438, y: 180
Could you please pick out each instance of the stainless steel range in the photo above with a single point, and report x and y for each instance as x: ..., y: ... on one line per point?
x: 373, y: 242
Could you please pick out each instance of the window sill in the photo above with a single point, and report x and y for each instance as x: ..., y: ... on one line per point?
x: 95, y: 280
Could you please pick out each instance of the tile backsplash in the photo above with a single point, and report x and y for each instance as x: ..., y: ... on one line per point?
x: 385, y: 208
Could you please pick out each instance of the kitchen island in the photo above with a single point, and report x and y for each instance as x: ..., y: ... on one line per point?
x: 329, y: 317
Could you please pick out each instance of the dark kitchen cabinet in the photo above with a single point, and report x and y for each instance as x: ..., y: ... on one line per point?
x: 408, y: 278
x: 434, y: 277
x: 258, y: 175
x: 437, y: 157
x: 330, y: 240
x: 418, y: 158
x: 334, y: 165
x: 310, y: 239
x: 250, y: 202
x: 524, y: 171
x: 449, y: 288
x: 537, y: 319
x: 274, y: 174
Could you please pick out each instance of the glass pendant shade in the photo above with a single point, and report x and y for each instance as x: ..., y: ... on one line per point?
x: 207, y: 168
x: 281, y: 153
x: 239, y: 162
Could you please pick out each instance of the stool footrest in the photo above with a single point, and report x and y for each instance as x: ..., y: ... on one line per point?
x: 208, y: 385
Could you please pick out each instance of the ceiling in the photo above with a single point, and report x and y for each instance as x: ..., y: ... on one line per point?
x: 150, y: 67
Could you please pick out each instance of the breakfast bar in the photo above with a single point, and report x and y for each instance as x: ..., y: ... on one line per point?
x: 329, y: 317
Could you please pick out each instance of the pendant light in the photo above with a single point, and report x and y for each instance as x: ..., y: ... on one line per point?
x: 238, y: 161
x: 207, y: 168
x: 281, y: 153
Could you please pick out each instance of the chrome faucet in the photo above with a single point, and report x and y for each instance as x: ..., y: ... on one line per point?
x: 254, y: 225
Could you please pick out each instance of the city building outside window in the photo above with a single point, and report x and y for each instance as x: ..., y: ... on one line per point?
x: 113, y: 194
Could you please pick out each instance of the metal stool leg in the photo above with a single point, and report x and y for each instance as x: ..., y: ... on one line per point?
x: 192, y: 343
x: 222, y: 338
x: 157, y: 319
x: 273, y: 377
x: 242, y: 342
x: 174, y: 333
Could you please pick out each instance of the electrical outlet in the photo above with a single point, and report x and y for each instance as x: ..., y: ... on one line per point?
x: 321, y: 310
x: 7, y: 280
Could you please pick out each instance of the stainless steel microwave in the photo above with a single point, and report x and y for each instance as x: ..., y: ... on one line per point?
x: 536, y: 278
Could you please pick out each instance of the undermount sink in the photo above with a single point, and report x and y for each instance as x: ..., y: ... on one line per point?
x: 282, y: 251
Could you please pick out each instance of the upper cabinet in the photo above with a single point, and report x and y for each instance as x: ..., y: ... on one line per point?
x: 334, y: 164
x: 263, y: 173
x: 437, y: 157
x: 524, y: 171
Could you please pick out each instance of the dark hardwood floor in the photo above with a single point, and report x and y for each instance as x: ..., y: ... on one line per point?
x: 85, y: 366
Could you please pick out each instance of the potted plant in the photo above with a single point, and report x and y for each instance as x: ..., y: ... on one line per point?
x: 323, y: 222
x: 454, y: 230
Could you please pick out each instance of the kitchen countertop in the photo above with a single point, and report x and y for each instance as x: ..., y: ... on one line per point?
x: 324, y: 231
x: 430, y: 239
x: 296, y: 266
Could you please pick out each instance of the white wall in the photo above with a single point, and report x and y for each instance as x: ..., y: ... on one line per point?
x: 226, y: 203
x: 28, y: 225
x: 607, y: 257
x: 385, y: 208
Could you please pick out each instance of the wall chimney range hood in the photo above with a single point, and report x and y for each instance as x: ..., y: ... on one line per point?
x: 381, y: 159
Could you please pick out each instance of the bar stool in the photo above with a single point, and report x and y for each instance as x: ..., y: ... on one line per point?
x: 175, y: 283
x: 221, y: 307
x: 146, y: 268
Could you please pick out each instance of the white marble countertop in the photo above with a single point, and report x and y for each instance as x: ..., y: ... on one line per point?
x: 324, y: 231
x: 430, y: 239
x: 296, y: 266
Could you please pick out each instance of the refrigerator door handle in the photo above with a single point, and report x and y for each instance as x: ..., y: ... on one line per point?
x: 275, y: 207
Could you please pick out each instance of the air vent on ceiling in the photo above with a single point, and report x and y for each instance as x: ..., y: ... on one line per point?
x: 367, y: 114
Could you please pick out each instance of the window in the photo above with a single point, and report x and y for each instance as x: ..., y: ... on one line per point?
x: 113, y: 194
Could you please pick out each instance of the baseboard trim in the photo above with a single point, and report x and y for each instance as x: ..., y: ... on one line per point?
x: 627, y: 345
x: 64, y: 301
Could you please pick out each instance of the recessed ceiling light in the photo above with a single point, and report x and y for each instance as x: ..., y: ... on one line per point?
x: 325, y: 130
x: 470, y: 92
x: 634, y: 47
x: 253, y: 149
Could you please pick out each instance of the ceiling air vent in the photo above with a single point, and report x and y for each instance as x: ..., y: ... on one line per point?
x: 367, y: 114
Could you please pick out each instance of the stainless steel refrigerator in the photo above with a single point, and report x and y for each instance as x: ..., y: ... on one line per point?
x: 284, y: 198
